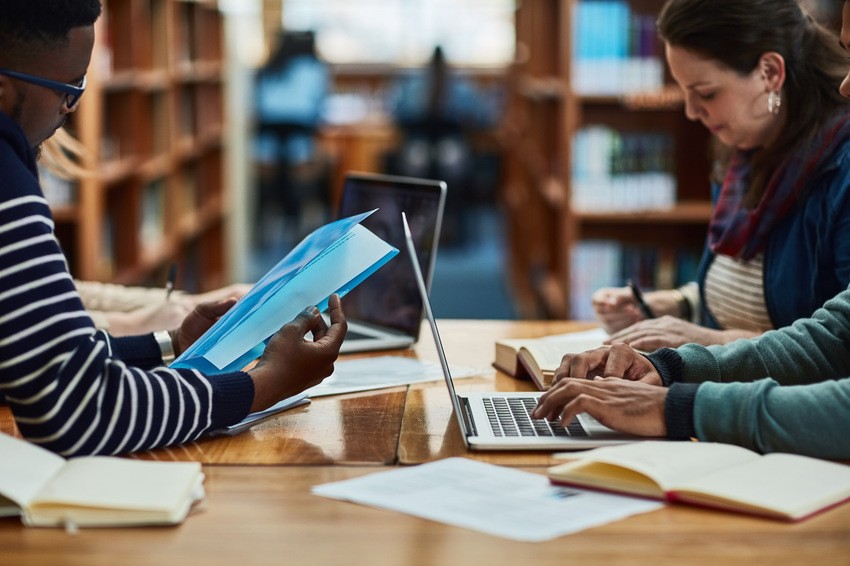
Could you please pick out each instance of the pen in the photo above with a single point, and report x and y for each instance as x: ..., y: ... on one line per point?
x: 644, y: 308
x: 172, y: 277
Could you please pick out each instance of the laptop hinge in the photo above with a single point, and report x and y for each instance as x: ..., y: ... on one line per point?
x: 467, y: 417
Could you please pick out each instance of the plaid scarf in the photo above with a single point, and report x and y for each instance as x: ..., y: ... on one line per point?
x: 742, y: 232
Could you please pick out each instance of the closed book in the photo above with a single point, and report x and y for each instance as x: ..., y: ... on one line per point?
x: 723, y: 476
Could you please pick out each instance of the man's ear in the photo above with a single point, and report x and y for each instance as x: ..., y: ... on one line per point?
x: 772, y: 68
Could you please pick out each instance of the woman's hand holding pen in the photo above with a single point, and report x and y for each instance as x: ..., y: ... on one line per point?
x: 617, y: 308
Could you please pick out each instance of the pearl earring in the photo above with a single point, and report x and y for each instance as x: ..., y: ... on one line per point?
x: 774, y: 102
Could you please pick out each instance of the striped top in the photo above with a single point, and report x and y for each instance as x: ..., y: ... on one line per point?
x: 734, y: 293
x: 71, y: 388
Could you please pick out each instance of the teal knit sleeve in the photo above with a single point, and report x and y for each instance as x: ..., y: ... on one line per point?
x: 809, y: 351
x: 813, y: 420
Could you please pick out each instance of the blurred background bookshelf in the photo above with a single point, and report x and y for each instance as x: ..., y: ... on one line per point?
x: 153, y: 131
x: 573, y: 165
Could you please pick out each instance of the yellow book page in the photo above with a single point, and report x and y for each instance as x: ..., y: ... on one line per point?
x: 548, y: 352
x: 570, y: 342
x: 121, y: 483
x: 783, y: 485
x: 665, y: 463
x: 25, y: 468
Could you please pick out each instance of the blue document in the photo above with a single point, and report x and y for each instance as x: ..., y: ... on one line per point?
x: 333, y: 259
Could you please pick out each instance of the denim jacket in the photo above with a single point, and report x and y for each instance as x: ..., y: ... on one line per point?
x: 807, y: 256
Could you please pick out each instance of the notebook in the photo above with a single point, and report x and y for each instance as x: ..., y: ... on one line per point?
x: 385, y: 311
x: 499, y: 420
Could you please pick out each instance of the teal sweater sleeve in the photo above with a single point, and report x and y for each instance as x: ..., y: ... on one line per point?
x: 766, y: 417
x: 787, y: 390
x: 809, y: 351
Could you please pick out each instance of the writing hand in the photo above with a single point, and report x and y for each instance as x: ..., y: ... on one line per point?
x: 615, y: 308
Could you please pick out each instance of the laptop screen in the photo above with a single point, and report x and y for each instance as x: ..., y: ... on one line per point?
x: 389, y: 298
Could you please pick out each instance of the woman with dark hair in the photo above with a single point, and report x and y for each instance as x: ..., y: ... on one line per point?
x: 786, y: 391
x: 763, y: 77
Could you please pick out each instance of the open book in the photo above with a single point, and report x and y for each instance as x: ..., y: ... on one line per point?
x: 538, y: 358
x: 781, y: 486
x: 332, y: 259
x: 94, y: 491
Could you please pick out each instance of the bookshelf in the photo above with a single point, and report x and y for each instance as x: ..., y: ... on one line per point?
x: 152, y: 125
x: 561, y: 89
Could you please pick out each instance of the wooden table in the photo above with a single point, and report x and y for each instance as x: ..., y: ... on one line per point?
x: 259, y: 509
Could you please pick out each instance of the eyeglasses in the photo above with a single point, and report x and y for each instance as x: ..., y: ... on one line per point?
x: 71, y: 93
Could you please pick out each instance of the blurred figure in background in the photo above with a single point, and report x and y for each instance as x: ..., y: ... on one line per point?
x: 290, y: 94
x: 438, y: 111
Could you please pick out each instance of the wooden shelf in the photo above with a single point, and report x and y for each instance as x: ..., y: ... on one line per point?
x: 544, y: 114
x: 682, y: 213
x: 152, y: 122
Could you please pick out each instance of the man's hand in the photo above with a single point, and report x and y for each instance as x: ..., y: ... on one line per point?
x: 618, y: 360
x: 627, y: 406
x: 197, y: 322
x: 291, y: 363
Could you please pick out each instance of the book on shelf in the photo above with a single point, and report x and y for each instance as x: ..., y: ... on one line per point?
x: 334, y: 258
x: 538, y: 358
x: 47, y: 490
x: 622, y: 172
x: 722, y: 476
x: 615, y: 49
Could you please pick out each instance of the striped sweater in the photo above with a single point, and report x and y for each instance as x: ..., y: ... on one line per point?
x: 71, y: 388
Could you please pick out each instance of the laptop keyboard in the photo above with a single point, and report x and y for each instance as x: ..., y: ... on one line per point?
x: 510, y: 417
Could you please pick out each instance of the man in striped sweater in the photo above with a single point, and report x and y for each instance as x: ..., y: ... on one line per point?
x: 73, y: 389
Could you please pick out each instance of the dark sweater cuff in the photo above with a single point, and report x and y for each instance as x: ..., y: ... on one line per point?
x: 233, y: 395
x: 140, y: 351
x: 669, y: 365
x: 679, y: 410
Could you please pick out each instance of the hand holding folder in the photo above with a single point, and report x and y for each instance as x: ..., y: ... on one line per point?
x: 332, y: 259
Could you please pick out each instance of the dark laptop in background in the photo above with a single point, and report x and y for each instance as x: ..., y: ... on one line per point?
x: 385, y: 311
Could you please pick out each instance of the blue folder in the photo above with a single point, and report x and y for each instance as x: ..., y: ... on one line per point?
x: 332, y: 259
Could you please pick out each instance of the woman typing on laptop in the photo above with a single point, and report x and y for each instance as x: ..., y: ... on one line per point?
x: 791, y: 390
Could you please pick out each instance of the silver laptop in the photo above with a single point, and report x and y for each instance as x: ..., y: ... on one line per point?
x: 385, y: 311
x: 500, y: 420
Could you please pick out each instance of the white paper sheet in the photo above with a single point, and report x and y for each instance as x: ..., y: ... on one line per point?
x: 366, y: 374
x: 495, y: 500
